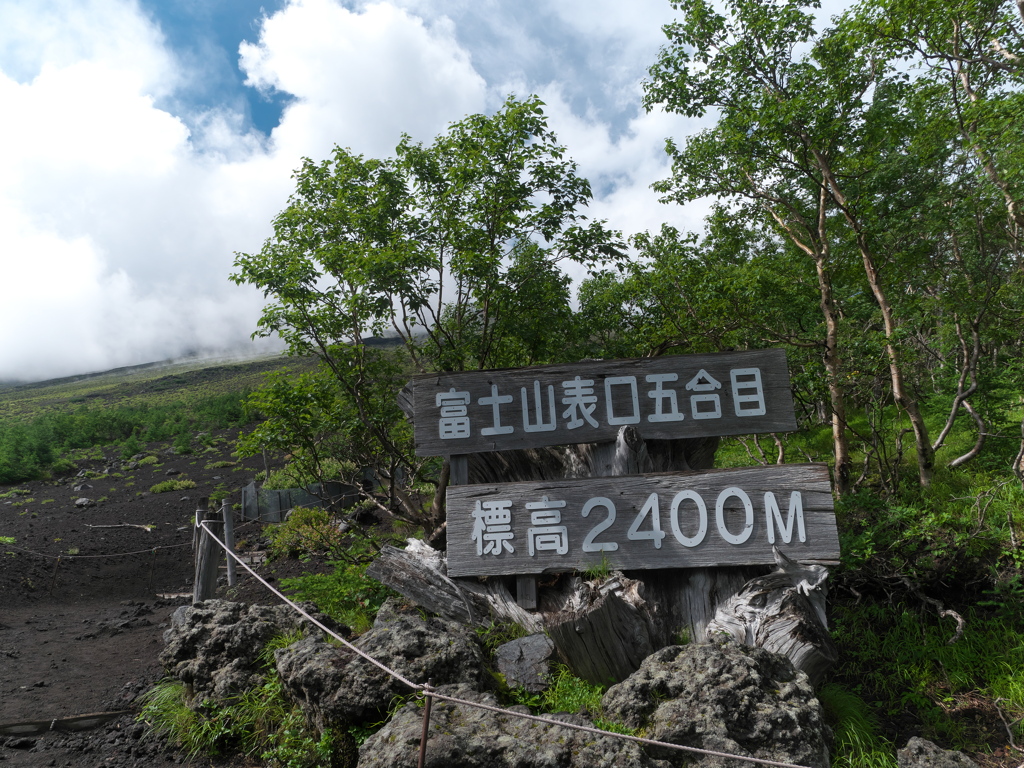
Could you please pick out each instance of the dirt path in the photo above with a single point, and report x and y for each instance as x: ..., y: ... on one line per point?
x: 81, y: 634
x: 63, y: 660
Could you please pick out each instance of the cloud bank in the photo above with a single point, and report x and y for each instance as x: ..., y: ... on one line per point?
x: 122, y: 200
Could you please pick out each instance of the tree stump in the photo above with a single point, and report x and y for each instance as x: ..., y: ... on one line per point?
x: 783, y: 612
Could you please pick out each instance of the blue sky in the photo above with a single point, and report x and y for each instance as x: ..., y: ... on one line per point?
x: 207, y: 36
x: 144, y: 142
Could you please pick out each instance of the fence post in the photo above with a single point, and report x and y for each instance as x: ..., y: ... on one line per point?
x: 229, y: 539
x: 426, y: 725
x: 204, y: 585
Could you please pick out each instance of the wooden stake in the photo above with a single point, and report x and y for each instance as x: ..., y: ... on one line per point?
x: 229, y: 539
x: 152, y: 570
x: 53, y: 581
x: 204, y: 585
x: 426, y: 726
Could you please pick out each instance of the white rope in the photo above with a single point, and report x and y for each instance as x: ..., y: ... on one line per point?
x: 319, y: 624
x: 613, y: 734
x: 427, y: 690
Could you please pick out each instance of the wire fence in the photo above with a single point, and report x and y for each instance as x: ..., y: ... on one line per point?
x: 427, y: 692
x: 63, y: 556
x: 60, y: 558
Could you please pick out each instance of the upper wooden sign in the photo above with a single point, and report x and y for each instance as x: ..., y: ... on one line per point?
x: 666, y: 520
x: 729, y: 393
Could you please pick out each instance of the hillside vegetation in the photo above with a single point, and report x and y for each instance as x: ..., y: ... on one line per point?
x: 42, y: 425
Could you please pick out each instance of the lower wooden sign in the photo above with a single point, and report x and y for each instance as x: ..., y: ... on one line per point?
x: 669, y: 520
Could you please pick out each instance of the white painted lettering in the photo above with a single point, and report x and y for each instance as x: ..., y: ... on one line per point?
x: 546, y: 535
x: 704, y: 405
x: 661, y: 396
x: 773, y: 517
x: 748, y: 507
x: 630, y: 381
x: 492, y: 529
x: 581, y: 402
x: 496, y: 401
x: 651, y: 507
x: 454, y: 421
x: 539, y: 425
x: 747, y: 391
x: 589, y: 545
x: 702, y: 513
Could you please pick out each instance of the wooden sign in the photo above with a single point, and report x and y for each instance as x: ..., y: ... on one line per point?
x: 732, y: 393
x: 669, y: 520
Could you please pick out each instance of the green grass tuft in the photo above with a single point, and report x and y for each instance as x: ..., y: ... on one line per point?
x: 858, y: 742
x: 182, y: 484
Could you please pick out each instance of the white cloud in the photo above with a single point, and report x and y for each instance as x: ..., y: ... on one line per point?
x: 119, y: 225
x: 61, y: 33
x: 361, y: 78
x: 120, y: 212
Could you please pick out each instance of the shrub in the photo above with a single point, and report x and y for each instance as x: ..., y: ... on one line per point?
x: 130, y: 447
x: 63, y: 466
x: 293, y: 476
x: 182, y: 442
x: 348, y: 595
x: 307, y: 531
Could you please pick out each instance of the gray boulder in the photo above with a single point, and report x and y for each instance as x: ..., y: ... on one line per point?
x: 214, y: 646
x: 921, y: 753
x: 467, y: 737
x: 724, y: 697
x: 335, y: 685
x: 524, y: 661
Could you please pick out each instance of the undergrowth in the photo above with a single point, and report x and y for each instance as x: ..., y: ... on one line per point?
x: 40, y: 424
x: 568, y: 693
x: 856, y: 730
x: 347, y: 594
x: 902, y: 661
x: 309, y: 531
x: 259, y: 723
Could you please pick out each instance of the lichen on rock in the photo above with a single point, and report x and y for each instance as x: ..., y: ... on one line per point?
x: 214, y: 646
x: 464, y: 736
x: 334, y: 685
x: 724, y: 697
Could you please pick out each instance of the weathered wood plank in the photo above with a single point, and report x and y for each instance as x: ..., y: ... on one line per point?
x: 674, y: 396
x: 416, y: 574
x: 687, y: 599
x: 229, y: 539
x: 715, y: 518
x: 526, y: 592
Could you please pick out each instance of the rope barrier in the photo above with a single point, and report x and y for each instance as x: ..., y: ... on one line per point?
x: 314, y: 621
x: 429, y: 692
x: 90, y: 557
